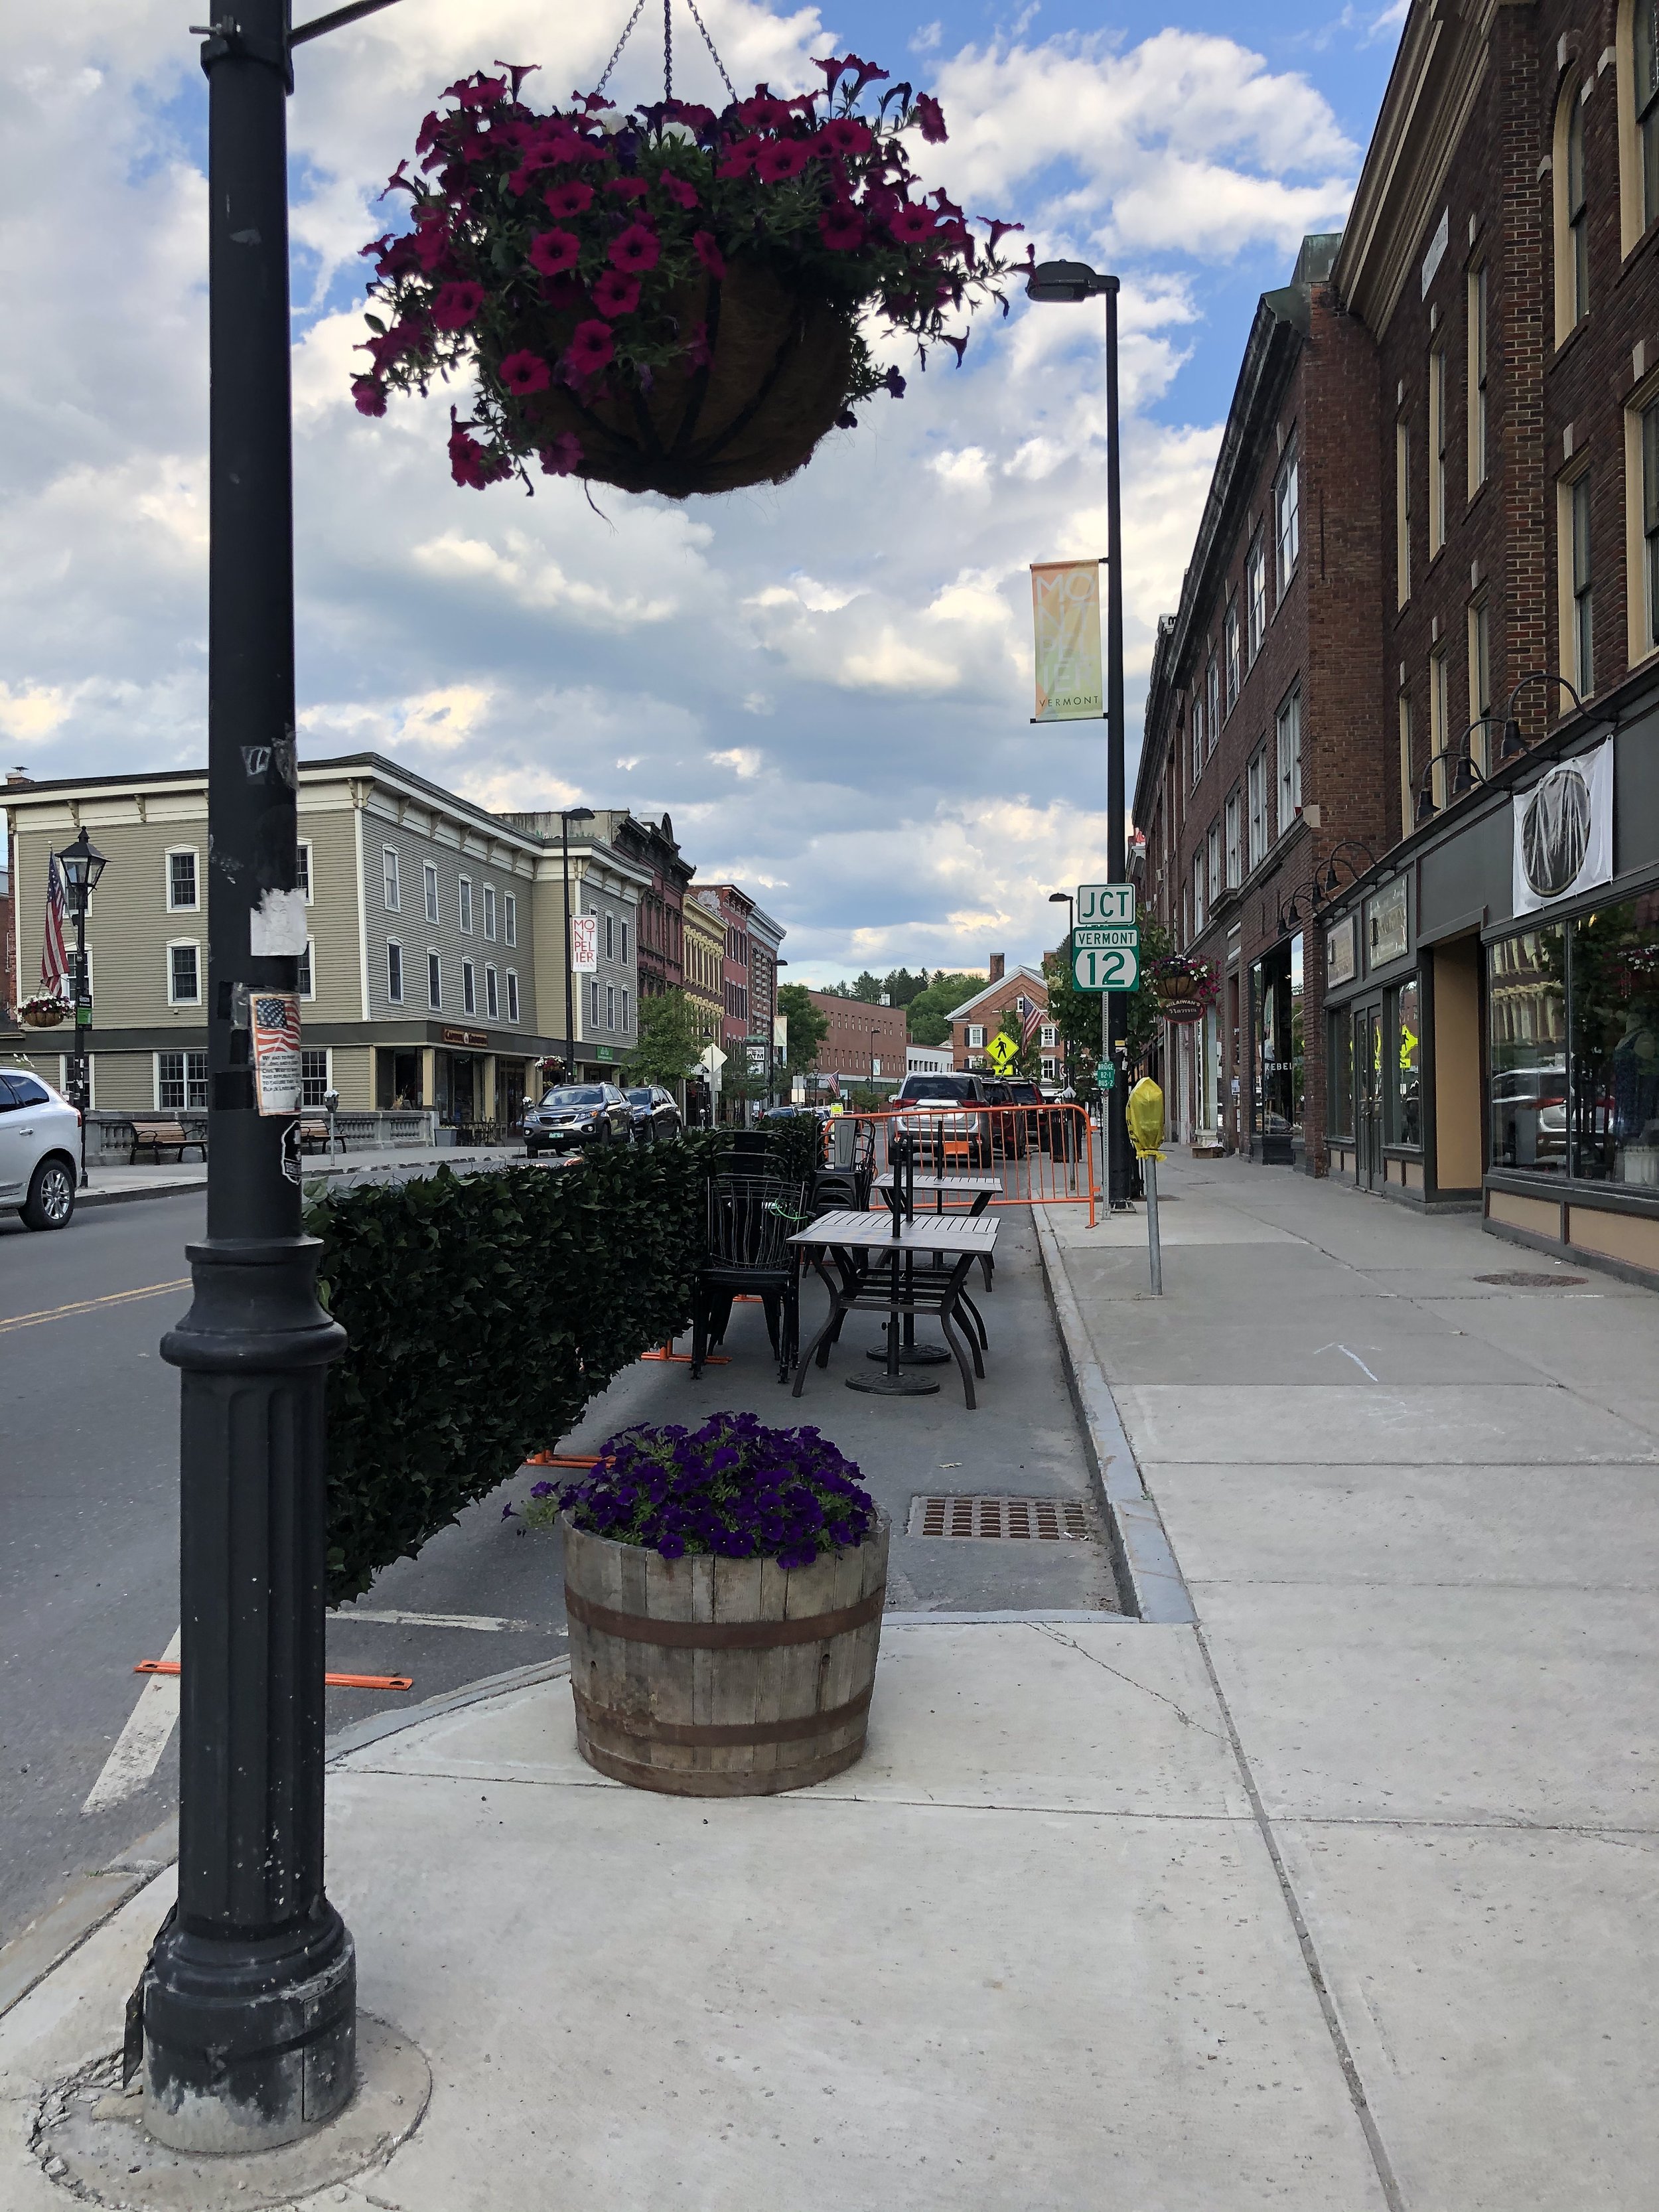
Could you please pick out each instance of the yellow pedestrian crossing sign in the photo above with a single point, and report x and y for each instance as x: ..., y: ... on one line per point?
x: 1002, y: 1052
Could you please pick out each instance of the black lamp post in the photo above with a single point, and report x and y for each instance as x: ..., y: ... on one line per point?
x: 1074, y: 281
x: 1065, y: 899
x: 567, y: 815
x: 81, y: 864
x: 245, y: 2018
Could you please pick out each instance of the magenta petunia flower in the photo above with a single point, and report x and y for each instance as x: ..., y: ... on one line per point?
x: 524, y: 371
x: 561, y: 458
x: 840, y: 230
x: 469, y: 464
x: 682, y: 194
x: 708, y: 253
x: 627, y: 188
x: 783, y: 159
x: 591, y: 349
x: 911, y: 224
x: 571, y: 198
x: 931, y: 116
x: 457, y: 305
x: 845, y: 135
x: 370, y: 395
x: 553, y: 252
x: 615, y: 293
x: 636, y: 249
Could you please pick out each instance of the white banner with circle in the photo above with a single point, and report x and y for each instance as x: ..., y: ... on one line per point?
x: 1563, y: 831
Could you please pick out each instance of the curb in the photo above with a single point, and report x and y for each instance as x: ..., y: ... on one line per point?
x: 84, y: 1199
x: 1148, y: 1577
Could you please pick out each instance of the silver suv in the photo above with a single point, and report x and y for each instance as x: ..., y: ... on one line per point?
x: 40, y: 1150
x: 946, y: 1119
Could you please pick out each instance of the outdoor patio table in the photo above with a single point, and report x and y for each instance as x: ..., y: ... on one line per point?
x: 858, y: 1245
x: 981, y: 1189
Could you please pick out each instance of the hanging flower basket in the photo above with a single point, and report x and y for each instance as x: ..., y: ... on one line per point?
x: 1185, y: 987
x: 42, y: 1013
x: 672, y: 300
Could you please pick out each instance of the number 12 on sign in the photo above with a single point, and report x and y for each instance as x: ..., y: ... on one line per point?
x: 1113, y: 968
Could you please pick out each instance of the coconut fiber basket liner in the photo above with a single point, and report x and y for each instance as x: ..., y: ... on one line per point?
x: 773, y: 383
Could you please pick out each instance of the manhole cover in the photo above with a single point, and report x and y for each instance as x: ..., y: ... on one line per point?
x: 1001, y: 1520
x: 1518, y: 1279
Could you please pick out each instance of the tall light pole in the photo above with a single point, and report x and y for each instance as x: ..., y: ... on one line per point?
x: 567, y: 815
x: 1074, y: 281
x: 1065, y: 899
x: 81, y: 864
x: 245, y: 2018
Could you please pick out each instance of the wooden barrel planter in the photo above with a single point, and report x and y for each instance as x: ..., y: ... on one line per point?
x: 721, y: 1677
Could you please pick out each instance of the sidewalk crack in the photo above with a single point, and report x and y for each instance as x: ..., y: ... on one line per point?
x: 1180, y: 1711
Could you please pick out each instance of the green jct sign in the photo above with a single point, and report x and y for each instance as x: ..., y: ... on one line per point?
x: 1106, y: 959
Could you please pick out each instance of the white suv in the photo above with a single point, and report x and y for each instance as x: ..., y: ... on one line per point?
x: 40, y: 1150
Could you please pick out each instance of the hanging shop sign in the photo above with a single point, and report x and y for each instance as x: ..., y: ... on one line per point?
x: 1563, y: 831
x: 1065, y: 611
x: 1385, y: 924
x: 1340, y: 964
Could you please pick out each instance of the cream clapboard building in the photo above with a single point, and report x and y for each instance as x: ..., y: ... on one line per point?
x: 435, y: 974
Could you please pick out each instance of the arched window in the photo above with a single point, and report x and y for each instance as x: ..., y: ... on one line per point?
x: 1571, y: 214
x: 1637, y: 51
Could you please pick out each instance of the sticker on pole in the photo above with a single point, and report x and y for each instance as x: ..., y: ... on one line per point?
x: 276, y: 1051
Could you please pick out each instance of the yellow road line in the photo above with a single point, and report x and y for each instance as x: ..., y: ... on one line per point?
x: 90, y: 1305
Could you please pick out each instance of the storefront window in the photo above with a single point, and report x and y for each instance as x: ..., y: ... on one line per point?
x: 1613, y: 985
x: 1526, y: 1056
x: 1405, y: 1108
x: 1279, y: 1054
x: 1339, y: 1096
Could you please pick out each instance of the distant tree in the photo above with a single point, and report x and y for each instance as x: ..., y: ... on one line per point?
x: 928, y: 1014
x: 670, y: 1040
x: 901, y: 987
x: 867, y: 987
x: 1076, y: 1015
x: 808, y: 1028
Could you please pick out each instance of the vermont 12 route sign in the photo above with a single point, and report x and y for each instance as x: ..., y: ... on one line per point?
x: 1106, y: 958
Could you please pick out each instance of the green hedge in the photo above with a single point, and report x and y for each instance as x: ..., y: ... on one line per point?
x: 484, y: 1313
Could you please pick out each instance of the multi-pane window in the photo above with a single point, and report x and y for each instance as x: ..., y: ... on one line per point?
x: 394, y: 971
x: 184, y: 974
x: 1480, y: 680
x: 510, y: 919
x: 302, y: 867
x: 1439, y: 389
x: 1651, y: 516
x: 611, y: 1005
x: 463, y: 905
x: 1235, y: 670
x: 1235, y: 840
x: 429, y: 884
x: 469, y: 987
x: 624, y: 951
x: 1439, y: 724
x: 182, y: 895
x: 1257, y: 786
x: 624, y: 1005
x: 1197, y: 738
x: 1255, y: 592
x: 610, y: 937
x: 1477, y: 338
x: 489, y: 912
x: 181, y: 1082
x: 314, y: 1076
x: 512, y: 994
x: 434, y: 983
x: 308, y: 980
x: 1290, y: 760
x: 1213, y: 704
x: 1578, y: 215
x: 390, y: 884
x: 1408, y: 805
x: 1644, y: 39
x: 1402, y: 511
x: 1583, y: 626
x: 1214, y: 851
x: 593, y: 1003
x: 492, y: 994
x: 1198, y: 894
x: 1287, y: 517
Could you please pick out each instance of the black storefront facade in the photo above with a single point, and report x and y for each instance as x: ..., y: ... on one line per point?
x: 1491, y: 998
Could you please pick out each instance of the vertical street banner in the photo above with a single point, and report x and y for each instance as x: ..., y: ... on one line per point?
x: 54, y: 958
x: 585, y: 944
x: 1066, y: 612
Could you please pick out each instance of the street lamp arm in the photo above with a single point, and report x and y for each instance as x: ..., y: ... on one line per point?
x: 337, y: 19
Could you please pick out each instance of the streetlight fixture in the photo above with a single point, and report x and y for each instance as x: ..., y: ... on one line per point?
x: 1514, y: 742
x: 1072, y: 283
x: 567, y: 815
x: 81, y: 864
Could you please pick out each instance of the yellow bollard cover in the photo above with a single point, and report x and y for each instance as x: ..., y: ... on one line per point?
x: 1143, y: 1111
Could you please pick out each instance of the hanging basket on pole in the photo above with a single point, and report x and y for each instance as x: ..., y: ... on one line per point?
x: 671, y: 300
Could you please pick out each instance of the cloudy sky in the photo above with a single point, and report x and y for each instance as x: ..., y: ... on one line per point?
x: 828, y: 684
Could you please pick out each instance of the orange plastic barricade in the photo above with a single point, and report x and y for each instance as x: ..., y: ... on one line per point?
x: 334, y: 1681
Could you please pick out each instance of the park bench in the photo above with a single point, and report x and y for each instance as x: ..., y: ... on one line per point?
x: 157, y: 1137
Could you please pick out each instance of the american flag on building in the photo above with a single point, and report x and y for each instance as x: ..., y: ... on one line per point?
x: 1031, y: 1024
x: 54, y: 957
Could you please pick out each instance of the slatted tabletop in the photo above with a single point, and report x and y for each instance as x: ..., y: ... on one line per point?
x: 963, y: 1183
x: 874, y: 1232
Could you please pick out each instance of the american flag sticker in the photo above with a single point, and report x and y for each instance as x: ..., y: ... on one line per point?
x: 276, y: 1051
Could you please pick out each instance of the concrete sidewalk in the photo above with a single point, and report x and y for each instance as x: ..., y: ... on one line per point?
x: 1340, y: 1898
x: 115, y: 1182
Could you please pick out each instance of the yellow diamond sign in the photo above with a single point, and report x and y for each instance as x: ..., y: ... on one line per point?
x: 1002, y: 1052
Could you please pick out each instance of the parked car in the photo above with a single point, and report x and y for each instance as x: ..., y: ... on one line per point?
x: 578, y: 1114
x: 1023, y: 1093
x: 952, y: 1123
x: 40, y: 1150
x: 1530, y: 1116
x: 654, y: 1113
x: 1008, y: 1131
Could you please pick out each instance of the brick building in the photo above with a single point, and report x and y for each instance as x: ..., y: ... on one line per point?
x: 652, y: 845
x: 976, y: 1021
x: 1479, y: 1022
x: 865, y: 1043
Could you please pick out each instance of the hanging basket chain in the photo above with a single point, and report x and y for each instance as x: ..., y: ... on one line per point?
x: 639, y: 9
x: 667, y: 47
x: 709, y: 43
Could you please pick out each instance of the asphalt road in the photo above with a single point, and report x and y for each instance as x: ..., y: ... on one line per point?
x: 88, y: 1505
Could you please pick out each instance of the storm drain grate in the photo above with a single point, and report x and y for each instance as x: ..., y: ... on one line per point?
x: 1518, y: 1279
x: 1001, y: 1520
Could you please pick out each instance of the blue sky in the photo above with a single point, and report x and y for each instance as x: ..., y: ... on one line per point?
x: 827, y: 683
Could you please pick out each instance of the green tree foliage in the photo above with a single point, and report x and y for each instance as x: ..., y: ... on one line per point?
x: 1077, y: 1013
x: 928, y: 1014
x: 808, y: 1028
x: 670, y: 1039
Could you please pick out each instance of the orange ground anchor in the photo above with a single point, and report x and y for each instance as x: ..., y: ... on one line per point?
x: 684, y: 1358
x: 334, y: 1681
x: 559, y: 1459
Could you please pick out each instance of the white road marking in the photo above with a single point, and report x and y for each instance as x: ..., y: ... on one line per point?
x: 493, y: 1622
x: 138, y: 1748
x: 1346, y: 1354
